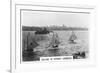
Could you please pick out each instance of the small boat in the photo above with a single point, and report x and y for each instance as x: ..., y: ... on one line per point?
x: 54, y: 41
x: 72, y: 38
x: 53, y: 46
x: 31, y: 43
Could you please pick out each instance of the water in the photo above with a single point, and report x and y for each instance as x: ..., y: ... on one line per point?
x: 65, y: 35
x: 65, y: 48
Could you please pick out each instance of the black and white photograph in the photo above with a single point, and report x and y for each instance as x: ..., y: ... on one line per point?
x: 54, y: 33
x: 51, y: 36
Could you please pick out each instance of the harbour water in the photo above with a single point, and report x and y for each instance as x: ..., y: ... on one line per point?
x: 65, y: 48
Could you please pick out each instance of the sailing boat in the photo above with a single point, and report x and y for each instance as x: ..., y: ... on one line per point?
x: 72, y: 38
x: 53, y: 47
x: 31, y: 43
x: 54, y: 43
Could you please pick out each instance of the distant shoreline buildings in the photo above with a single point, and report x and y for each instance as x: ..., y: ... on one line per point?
x: 53, y: 27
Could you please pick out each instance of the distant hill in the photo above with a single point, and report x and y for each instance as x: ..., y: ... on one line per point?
x: 69, y: 28
x: 29, y: 28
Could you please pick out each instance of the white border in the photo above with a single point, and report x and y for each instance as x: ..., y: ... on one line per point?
x: 15, y: 34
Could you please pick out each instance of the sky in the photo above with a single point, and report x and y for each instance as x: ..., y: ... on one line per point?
x: 43, y: 18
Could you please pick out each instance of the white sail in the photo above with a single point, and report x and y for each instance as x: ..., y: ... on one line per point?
x: 72, y: 37
x: 54, y: 40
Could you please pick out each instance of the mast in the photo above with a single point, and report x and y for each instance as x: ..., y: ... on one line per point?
x: 27, y: 39
x: 55, y: 40
x: 73, y: 37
